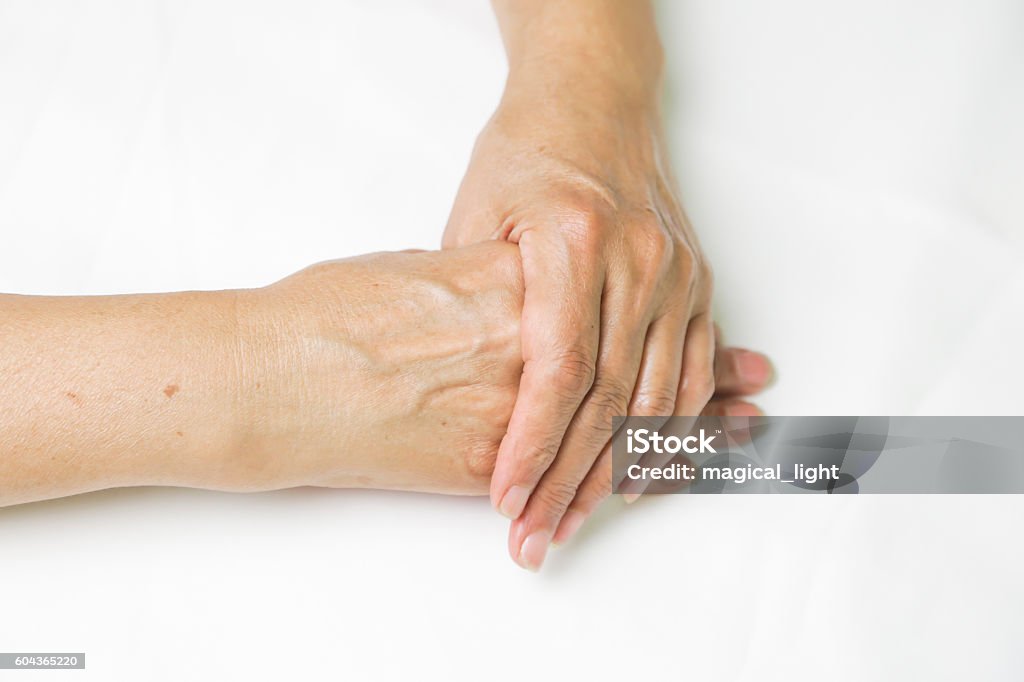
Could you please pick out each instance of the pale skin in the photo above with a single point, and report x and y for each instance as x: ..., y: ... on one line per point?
x: 573, y: 168
x: 394, y: 371
x: 479, y: 371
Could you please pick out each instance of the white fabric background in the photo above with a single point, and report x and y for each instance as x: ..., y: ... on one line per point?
x: 854, y: 171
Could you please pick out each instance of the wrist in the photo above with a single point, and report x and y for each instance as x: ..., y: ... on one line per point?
x: 567, y: 83
x: 278, y: 380
x: 583, y: 50
x: 614, y: 140
x: 214, y: 447
x: 565, y: 104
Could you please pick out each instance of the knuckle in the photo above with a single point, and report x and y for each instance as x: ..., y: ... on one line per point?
x: 655, y: 256
x: 609, y: 398
x: 701, y: 277
x: 655, y: 243
x: 700, y: 385
x: 583, y: 223
x: 536, y: 457
x: 554, y: 497
x: 686, y: 269
x: 656, y: 401
x: 705, y: 272
x: 573, y: 372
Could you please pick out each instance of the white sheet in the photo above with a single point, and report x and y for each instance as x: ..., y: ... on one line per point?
x: 854, y: 171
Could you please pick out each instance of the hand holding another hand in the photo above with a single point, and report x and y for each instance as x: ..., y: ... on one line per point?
x: 392, y: 370
x: 395, y: 371
x: 616, y: 316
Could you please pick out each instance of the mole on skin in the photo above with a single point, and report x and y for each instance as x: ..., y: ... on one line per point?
x: 171, y: 390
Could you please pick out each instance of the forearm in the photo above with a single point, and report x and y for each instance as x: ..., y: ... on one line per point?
x: 602, y: 50
x: 110, y: 391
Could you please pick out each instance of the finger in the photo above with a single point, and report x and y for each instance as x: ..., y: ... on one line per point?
x: 741, y: 372
x: 697, y: 383
x: 595, y: 489
x: 560, y: 329
x: 653, y: 398
x: 657, y: 387
x: 649, y: 400
x: 730, y: 380
x: 732, y: 407
x: 696, y: 386
x: 589, y: 432
x: 738, y: 416
x: 597, y: 486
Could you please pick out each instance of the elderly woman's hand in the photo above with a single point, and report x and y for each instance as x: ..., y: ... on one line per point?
x: 400, y: 371
x: 573, y: 168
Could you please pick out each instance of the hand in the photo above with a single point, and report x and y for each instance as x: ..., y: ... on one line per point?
x: 393, y: 370
x: 399, y: 371
x: 617, y: 301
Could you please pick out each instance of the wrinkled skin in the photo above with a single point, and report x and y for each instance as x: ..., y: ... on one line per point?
x: 392, y: 370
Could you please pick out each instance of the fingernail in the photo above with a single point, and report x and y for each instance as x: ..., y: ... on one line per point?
x: 753, y: 368
x: 630, y: 498
x: 514, y: 502
x: 571, y: 523
x: 534, y: 549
